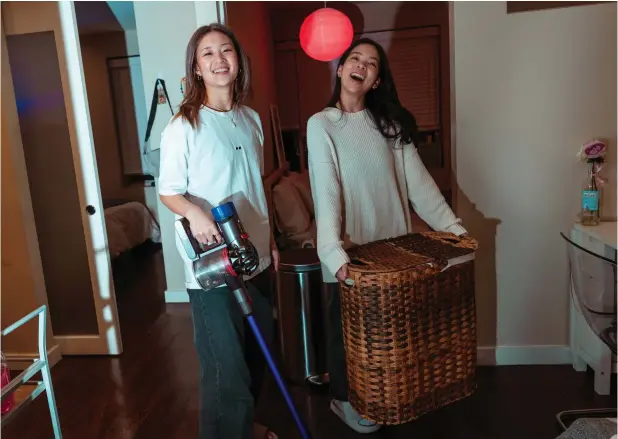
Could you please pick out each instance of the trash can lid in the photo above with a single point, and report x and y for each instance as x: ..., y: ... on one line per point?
x: 299, y: 260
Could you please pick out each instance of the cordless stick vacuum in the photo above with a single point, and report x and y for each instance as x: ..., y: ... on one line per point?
x: 224, y: 264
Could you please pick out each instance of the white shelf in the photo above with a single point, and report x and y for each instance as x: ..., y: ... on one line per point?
x: 587, y: 349
x: 605, y: 233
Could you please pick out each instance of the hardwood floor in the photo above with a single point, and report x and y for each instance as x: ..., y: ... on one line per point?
x: 150, y: 391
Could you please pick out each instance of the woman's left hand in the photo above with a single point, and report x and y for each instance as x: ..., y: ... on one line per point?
x: 274, y: 251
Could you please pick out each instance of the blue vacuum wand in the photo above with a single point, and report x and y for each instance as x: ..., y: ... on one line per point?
x: 236, y: 285
x: 226, y: 264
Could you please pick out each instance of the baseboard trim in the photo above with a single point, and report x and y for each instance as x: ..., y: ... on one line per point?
x: 523, y: 355
x: 176, y: 296
x: 22, y: 360
x: 486, y: 355
x: 87, y: 345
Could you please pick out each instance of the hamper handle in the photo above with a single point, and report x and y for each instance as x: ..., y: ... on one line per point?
x: 454, y: 238
x: 461, y: 241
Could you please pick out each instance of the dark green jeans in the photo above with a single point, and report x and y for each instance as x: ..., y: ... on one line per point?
x: 336, y: 362
x: 232, y: 365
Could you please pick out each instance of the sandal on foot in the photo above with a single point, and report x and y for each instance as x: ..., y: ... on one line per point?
x: 347, y: 414
x: 263, y: 432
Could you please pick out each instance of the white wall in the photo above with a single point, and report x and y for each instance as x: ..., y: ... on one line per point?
x: 529, y: 89
x: 163, y: 31
x: 141, y: 113
x: 107, y: 30
x: 95, y: 50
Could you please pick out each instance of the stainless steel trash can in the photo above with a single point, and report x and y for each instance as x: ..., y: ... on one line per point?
x: 302, y: 321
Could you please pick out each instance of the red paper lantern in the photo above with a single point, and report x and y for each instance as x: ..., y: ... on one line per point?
x: 326, y: 34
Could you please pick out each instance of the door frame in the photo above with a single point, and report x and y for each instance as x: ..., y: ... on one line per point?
x: 61, y: 20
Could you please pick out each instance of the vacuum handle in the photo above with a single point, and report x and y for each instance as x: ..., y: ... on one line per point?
x: 189, y: 243
x: 192, y: 247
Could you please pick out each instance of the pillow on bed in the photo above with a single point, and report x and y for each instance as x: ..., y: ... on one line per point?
x: 291, y: 215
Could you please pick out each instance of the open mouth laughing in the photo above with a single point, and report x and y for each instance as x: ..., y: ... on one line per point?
x: 358, y: 77
x: 221, y: 71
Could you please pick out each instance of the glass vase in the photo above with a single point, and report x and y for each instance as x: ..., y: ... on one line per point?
x: 591, y: 198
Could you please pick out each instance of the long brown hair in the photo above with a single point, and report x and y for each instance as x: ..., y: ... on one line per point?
x: 195, y: 90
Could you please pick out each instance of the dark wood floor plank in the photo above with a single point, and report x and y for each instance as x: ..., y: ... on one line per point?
x: 151, y: 390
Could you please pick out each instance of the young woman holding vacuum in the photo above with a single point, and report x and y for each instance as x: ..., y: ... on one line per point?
x: 211, y: 153
x: 364, y: 168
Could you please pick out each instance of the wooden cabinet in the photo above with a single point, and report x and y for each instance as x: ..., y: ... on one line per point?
x: 287, y: 88
x: 304, y: 85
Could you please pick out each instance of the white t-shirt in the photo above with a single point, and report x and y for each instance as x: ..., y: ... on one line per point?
x: 218, y: 161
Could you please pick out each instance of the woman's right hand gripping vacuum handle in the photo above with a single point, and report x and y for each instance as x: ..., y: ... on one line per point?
x: 203, y: 227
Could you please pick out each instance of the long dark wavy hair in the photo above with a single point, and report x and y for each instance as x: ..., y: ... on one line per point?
x: 390, y: 117
x: 195, y: 90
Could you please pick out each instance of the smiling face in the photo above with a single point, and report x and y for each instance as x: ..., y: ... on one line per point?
x: 216, y: 60
x: 360, y: 71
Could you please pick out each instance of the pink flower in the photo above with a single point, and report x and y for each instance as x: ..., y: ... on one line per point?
x: 594, y: 150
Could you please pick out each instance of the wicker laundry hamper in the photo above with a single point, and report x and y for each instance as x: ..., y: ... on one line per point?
x: 409, y: 325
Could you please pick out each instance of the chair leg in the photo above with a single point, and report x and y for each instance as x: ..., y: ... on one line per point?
x: 51, y: 401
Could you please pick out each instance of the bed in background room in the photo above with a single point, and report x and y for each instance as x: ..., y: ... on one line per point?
x: 133, y: 238
x: 129, y: 224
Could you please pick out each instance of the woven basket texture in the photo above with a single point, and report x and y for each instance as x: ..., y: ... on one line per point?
x: 409, y: 325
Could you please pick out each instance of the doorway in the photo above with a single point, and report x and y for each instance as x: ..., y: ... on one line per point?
x: 119, y: 110
x: 55, y: 142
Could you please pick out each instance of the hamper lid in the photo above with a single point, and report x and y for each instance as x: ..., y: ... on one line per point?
x: 435, y: 250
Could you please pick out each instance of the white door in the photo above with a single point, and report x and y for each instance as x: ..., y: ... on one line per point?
x: 41, y: 43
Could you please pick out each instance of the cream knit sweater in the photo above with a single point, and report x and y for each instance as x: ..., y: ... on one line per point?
x: 361, y: 185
